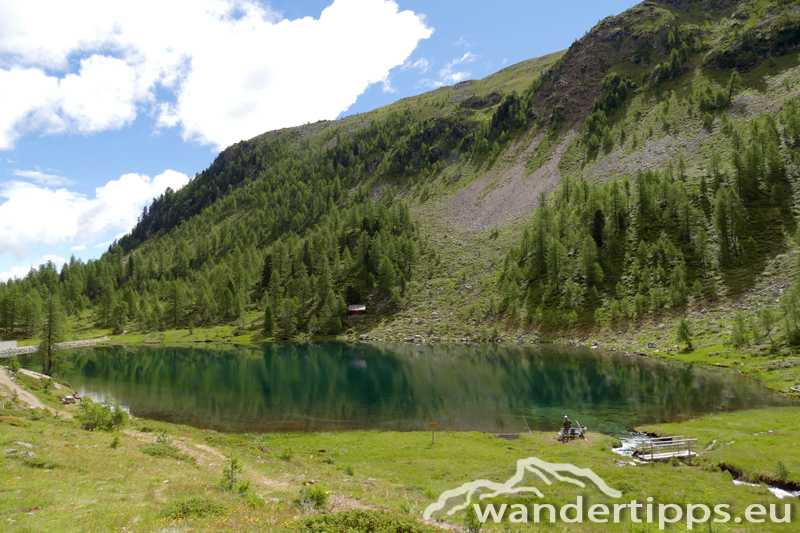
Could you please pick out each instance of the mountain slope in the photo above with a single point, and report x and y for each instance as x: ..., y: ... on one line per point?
x: 650, y: 168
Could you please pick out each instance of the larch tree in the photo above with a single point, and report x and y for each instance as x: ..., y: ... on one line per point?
x: 53, y: 332
x: 684, y: 333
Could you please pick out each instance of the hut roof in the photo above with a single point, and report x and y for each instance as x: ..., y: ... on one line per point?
x: 357, y: 307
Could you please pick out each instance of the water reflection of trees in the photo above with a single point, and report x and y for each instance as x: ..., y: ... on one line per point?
x: 308, y: 386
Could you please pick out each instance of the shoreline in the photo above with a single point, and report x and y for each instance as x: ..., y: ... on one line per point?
x: 591, y: 342
x: 21, y: 350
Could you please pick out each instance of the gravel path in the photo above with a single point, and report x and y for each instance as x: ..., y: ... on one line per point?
x: 23, y: 395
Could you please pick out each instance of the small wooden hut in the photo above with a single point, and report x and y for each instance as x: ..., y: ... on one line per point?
x: 356, y: 311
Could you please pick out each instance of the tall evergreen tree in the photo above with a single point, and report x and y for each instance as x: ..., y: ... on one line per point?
x: 53, y: 332
x: 269, y: 317
x: 286, y: 317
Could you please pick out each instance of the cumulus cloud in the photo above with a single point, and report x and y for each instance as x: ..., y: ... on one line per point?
x: 79, y: 248
x: 15, y: 272
x: 449, y: 74
x: 34, y: 214
x: 235, y: 68
x: 387, y: 85
x: 421, y: 64
x: 22, y: 271
x: 51, y: 180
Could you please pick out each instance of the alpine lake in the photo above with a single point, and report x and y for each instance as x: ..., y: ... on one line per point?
x: 331, y: 386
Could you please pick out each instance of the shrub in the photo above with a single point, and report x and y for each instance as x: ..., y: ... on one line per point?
x: 106, y: 416
x: 407, y: 508
x: 165, y: 451
x: 363, y: 520
x: 14, y: 421
x: 38, y: 462
x: 12, y: 363
x: 195, y: 507
x: 471, y: 521
x: 311, y: 499
x: 114, y: 442
x: 625, y: 487
x: 255, y: 501
x: 286, y: 454
x: 163, y: 438
x: 38, y: 414
x: 783, y: 472
x: 230, y: 477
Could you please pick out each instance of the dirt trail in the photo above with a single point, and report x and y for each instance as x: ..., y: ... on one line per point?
x: 25, y: 396
x: 214, y: 460
x: 493, y: 200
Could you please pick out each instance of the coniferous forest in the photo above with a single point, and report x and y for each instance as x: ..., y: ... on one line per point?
x: 281, y: 232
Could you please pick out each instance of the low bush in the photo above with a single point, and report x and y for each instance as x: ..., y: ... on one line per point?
x: 255, y: 501
x: 38, y: 414
x: 167, y: 451
x: 195, y: 507
x: 11, y: 362
x: 230, y: 481
x: 28, y: 382
x: 14, y: 421
x: 286, y: 454
x: 311, y: 499
x: 105, y: 416
x: 363, y: 520
x: 38, y: 462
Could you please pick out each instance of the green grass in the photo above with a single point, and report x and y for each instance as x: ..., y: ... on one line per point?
x: 84, y: 484
x: 752, y: 442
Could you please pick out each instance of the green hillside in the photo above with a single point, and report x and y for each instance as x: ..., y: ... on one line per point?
x: 646, y: 174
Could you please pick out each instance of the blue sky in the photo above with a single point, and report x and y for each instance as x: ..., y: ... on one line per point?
x: 105, y: 104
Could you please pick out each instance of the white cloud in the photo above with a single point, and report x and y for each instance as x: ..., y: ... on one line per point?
x: 38, y: 176
x: 15, y: 272
x: 387, y: 85
x: 421, y: 64
x: 56, y: 259
x: 449, y: 75
x: 40, y: 215
x: 21, y: 272
x: 462, y: 41
x: 235, y: 68
x: 79, y: 248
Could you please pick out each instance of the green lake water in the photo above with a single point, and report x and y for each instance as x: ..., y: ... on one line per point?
x: 322, y: 386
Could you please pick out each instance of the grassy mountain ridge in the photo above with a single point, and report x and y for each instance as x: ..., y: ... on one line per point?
x: 243, y: 161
